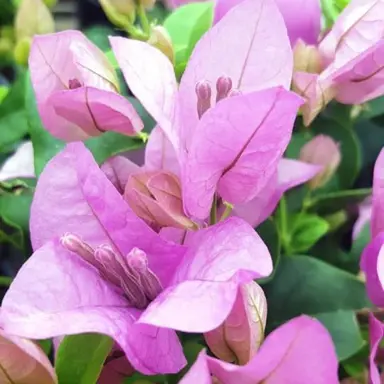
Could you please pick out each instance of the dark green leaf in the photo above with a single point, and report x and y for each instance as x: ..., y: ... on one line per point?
x: 345, y: 332
x: 335, y: 201
x: 269, y: 233
x: 349, y: 146
x: 306, y: 285
x: 13, y: 127
x: 80, y: 358
x: 46, y: 345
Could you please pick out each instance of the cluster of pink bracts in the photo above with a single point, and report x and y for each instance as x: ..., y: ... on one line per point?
x: 138, y: 252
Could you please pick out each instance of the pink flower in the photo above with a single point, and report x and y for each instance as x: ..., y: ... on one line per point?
x: 22, y: 361
x: 279, y: 360
x: 98, y: 268
x: 352, y: 56
x: 77, y: 89
x: 229, y: 122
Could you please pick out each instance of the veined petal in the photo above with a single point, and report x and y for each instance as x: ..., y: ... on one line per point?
x: 376, y: 333
x: 290, y: 173
x: 357, y: 28
x: 160, y: 154
x: 302, y: 18
x: 96, y: 111
x: 236, y: 148
x: 151, y: 78
x: 280, y: 358
x: 57, y: 293
x: 86, y: 203
x: 362, y: 79
x: 204, y: 288
x: 377, y: 223
x: 237, y: 56
x: 372, y: 263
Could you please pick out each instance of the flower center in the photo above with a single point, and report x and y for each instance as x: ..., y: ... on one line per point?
x: 204, y: 93
x: 130, y: 273
x: 74, y: 83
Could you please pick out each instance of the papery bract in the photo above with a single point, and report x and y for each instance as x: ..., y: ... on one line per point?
x: 302, y: 18
x: 279, y: 360
x: 241, y: 334
x: 352, y: 60
x: 376, y: 333
x: 94, y: 269
x: 23, y: 362
x: 77, y: 89
x: 290, y: 173
x: 236, y: 148
x: 372, y: 259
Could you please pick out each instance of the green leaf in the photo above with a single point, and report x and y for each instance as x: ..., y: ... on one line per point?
x: 307, y: 229
x: 14, y: 208
x: 13, y: 120
x: 45, y: 345
x: 80, y: 358
x: 186, y: 25
x: 335, y: 201
x: 98, y: 34
x: 13, y: 128
x: 345, y: 332
x: 111, y: 144
x: 362, y: 240
x: 3, y: 92
x: 305, y: 285
x: 269, y: 233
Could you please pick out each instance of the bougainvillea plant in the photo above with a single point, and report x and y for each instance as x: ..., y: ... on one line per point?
x: 196, y: 196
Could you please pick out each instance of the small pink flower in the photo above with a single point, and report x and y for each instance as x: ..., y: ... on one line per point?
x: 77, y: 89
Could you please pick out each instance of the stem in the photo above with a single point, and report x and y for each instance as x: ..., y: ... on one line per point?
x: 5, y: 281
x: 144, y: 19
x: 213, y: 214
x: 227, y: 211
x: 136, y: 33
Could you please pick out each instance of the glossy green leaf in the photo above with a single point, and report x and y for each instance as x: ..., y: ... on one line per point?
x: 269, y: 233
x: 307, y: 229
x: 80, y: 358
x: 303, y: 284
x: 345, y: 332
x: 332, y: 202
x: 186, y: 25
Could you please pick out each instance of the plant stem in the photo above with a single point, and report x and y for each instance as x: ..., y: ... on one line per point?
x: 227, y: 211
x: 144, y: 19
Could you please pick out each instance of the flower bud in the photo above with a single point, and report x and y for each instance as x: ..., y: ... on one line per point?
x: 161, y: 40
x: 156, y: 198
x: 119, y: 12
x: 21, y: 51
x: 321, y: 150
x: 241, y: 334
x: 33, y: 18
x: 306, y: 58
x: 50, y: 3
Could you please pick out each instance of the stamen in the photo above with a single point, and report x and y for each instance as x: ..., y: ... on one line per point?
x: 223, y: 87
x: 74, y: 83
x: 204, y: 93
x: 114, y: 269
x: 78, y: 246
x: 150, y: 284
